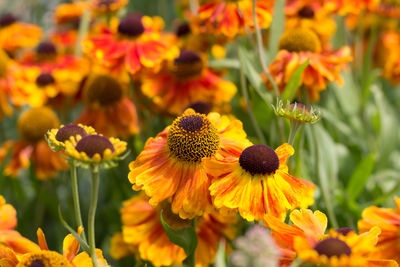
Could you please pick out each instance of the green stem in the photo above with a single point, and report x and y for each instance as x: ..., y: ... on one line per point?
x: 92, y: 212
x: 83, y: 29
x: 294, y: 127
x: 249, y: 109
x: 260, y: 47
x: 75, y: 196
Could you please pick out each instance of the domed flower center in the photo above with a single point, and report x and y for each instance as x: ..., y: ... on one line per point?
x: 37, y: 263
x: 187, y: 65
x: 306, y: 12
x: 35, y: 122
x: 7, y: 19
x: 46, y: 48
x: 332, y: 247
x: 131, y: 25
x: 104, y: 90
x: 44, y: 258
x: 201, y: 107
x: 183, y: 30
x: 192, y: 138
x: 259, y: 159
x: 70, y: 130
x: 173, y: 220
x: 45, y: 79
x: 94, y: 144
x: 344, y: 230
x: 298, y: 40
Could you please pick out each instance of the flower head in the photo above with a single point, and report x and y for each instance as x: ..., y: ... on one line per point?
x: 171, y: 165
x: 56, y: 137
x: 297, y: 112
x: 299, y: 40
x: 254, y: 181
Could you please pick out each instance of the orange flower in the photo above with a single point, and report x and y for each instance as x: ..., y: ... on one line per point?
x: 389, y: 221
x: 254, y: 180
x: 136, y: 44
x: 42, y: 256
x: 314, y: 15
x: 301, y: 45
x: 306, y: 240
x: 388, y: 55
x: 108, y: 109
x: 15, y: 35
x: 5, y: 85
x: 10, y: 238
x: 33, y: 125
x: 230, y: 18
x: 70, y: 13
x: 107, y: 6
x: 171, y: 165
x: 142, y: 228
x: 187, y: 81
x: 44, y: 75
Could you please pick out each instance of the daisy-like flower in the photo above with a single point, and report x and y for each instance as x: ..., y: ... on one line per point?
x: 171, y: 165
x: 186, y: 81
x: 45, y: 75
x: 108, y: 109
x: 300, y: 45
x: 15, y: 35
x: 254, y: 181
x: 229, y: 18
x: 56, y: 137
x: 41, y: 256
x: 32, y: 126
x: 306, y: 240
x: 388, y: 57
x: 389, y: 221
x: 142, y: 228
x: 313, y: 15
x: 136, y: 44
x: 9, y: 238
x: 95, y: 149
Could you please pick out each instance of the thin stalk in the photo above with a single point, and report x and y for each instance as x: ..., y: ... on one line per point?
x: 249, y: 109
x: 83, y: 29
x: 260, y: 47
x: 75, y: 196
x: 92, y: 213
x: 324, y: 189
x: 294, y: 127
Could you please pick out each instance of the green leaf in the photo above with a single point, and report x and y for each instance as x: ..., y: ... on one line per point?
x: 294, y: 82
x: 83, y: 244
x: 186, y: 237
x: 277, y: 27
x: 359, y: 177
x: 253, y: 76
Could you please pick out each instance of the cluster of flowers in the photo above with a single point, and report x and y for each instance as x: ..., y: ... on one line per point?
x: 201, y: 171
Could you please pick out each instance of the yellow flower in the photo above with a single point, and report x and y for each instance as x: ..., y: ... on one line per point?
x: 56, y: 137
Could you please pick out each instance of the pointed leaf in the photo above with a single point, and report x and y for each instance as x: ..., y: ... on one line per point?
x: 294, y: 83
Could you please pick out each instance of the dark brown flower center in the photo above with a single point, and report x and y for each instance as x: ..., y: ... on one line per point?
x: 183, y: 30
x: 192, y: 137
x: 191, y: 123
x: 332, y: 247
x: 37, y: 263
x: 104, y: 90
x: 7, y: 19
x: 187, y: 65
x: 344, y: 230
x: 259, y: 159
x: 306, y: 12
x: 46, y: 48
x: 94, y: 144
x: 45, y: 79
x: 201, y: 107
x: 70, y: 130
x: 131, y: 25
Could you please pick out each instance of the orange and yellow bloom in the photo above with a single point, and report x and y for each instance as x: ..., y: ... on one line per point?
x: 185, y: 82
x: 388, y: 220
x: 254, y: 181
x: 171, y: 165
